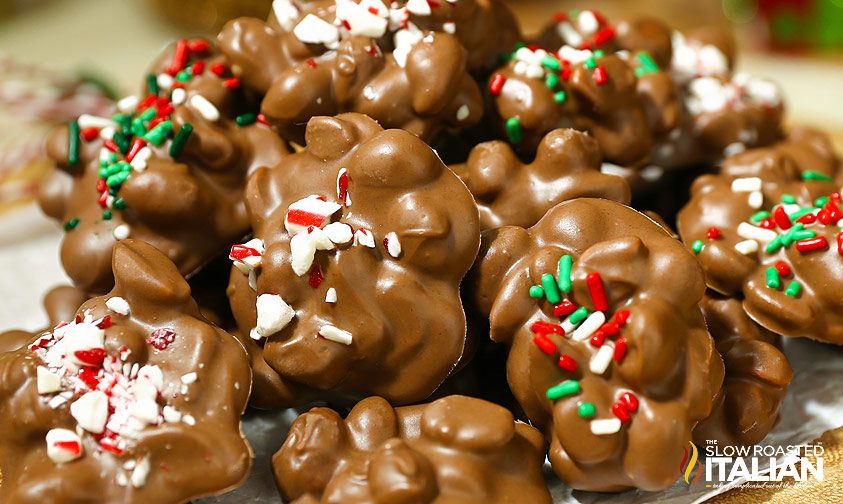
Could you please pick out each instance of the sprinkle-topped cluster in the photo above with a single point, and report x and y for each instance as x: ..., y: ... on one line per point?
x: 580, y: 325
x: 111, y: 399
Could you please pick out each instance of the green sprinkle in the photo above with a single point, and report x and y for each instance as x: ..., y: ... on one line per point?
x: 774, y: 245
x: 801, y: 213
x: 814, y: 175
x: 117, y: 179
x: 697, y: 246
x: 152, y: 84
x: 138, y: 129
x: 821, y: 202
x: 551, y: 63
x: 565, y: 264
x: 564, y: 389
x: 73, y: 143
x: 513, y: 130
x: 793, y: 289
x: 177, y: 146
x: 119, y: 204
x: 184, y: 76
x: 803, y: 235
x: 148, y: 114
x: 586, y: 410
x: 760, y: 216
x: 550, y: 289
x: 122, y: 142
x: 579, y: 315
x: 536, y: 292
x: 788, y: 199
x: 71, y: 224
x: 551, y: 81
x: 774, y: 281
x: 591, y: 63
x: 559, y: 97
x: 246, y: 119
x: 599, y: 53
x: 124, y: 121
x: 159, y: 133
x: 107, y: 215
x: 648, y: 64
x: 788, y: 238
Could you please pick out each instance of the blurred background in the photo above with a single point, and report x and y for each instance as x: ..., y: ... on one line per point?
x: 60, y: 57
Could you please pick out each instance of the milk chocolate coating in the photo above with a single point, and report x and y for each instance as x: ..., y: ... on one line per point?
x: 60, y: 303
x: 191, y: 208
x: 404, y: 313
x: 817, y: 310
x: 455, y: 449
x: 510, y: 192
x: 757, y: 376
x: 671, y: 365
x: 187, y: 459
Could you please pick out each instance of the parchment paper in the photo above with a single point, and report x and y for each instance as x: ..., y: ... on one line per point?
x: 29, y: 251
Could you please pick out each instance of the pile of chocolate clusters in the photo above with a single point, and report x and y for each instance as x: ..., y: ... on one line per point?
x: 414, y: 214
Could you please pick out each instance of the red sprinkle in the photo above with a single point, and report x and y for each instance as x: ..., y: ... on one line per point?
x: 102, y: 201
x: 545, y: 328
x: 138, y: 144
x: 598, y: 338
x: 89, y: 134
x: 560, y: 17
x: 567, y: 363
x: 197, y: 68
x: 620, y: 349
x: 179, y: 57
x: 767, y: 224
x: 610, y: 328
x: 566, y: 73
x: 781, y: 218
x: 604, y: 35
x: 232, y: 83
x: 110, y: 145
x: 836, y: 197
x: 600, y: 77
x: 713, y: 233
x: 101, y: 185
x: 564, y: 309
x: 598, y: 294
x: 621, y: 412
x: 629, y: 400
x: 621, y: 316
x: 107, y: 446
x: 807, y: 219
x: 812, y: 244
x: 840, y: 244
x: 218, y: 69
x: 240, y: 252
x: 342, y: 187
x: 833, y: 211
x: 311, y: 63
x: 496, y: 84
x: 783, y: 268
x: 160, y: 339
x: 316, y: 276
x: 199, y: 46
x: 105, y: 322
x: 544, y: 344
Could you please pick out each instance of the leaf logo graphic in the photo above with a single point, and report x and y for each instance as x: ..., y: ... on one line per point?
x: 688, y: 469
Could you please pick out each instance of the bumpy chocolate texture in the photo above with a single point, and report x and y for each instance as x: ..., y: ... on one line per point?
x: 137, y: 399
x: 609, y: 353
x: 456, y: 448
x: 130, y: 177
x: 350, y: 287
x: 404, y: 64
x: 584, y: 73
x: 510, y: 192
x: 757, y: 376
x: 767, y: 230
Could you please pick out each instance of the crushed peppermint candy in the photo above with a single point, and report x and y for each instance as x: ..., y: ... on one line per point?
x: 160, y: 339
x: 118, y: 305
x: 331, y: 295
x: 273, y: 315
x: 315, y: 30
x: 364, y: 237
x: 343, y: 181
x: 63, y: 445
x: 392, y: 245
x: 311, y: 211
x: 285, y: 13
x: 335, y: 334
x: 247, y: 256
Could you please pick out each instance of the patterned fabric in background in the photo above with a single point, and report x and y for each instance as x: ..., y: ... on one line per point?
x: 32, y: 101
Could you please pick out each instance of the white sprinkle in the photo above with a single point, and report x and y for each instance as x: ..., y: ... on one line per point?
x: 569, y: 34
x: 178, y: 96
x: 315, y: 30
x: 463, y: 113
x: 106, y: 133
x: 165, y: 81
x: 128, y: 104
x: 205, y: 108
x: 336, y: 334
x: 118, y: 305
x: 331, y: 295
x: 302, y: 253
x: 747, y: 247
x: 750, y: 232
x: 122, y: 232
x: 791, y: 208
x: 575, y: 56
x: 273, y: 314
x: 600, y: 361
x: 47, y: 382
x: 733, y: 148
x: 755, y: 199
x: 369, y: 93
x: 140, y: 473
x: 364, y: 237
x: 568, y: 326
x: 189, y: 378
x: 91, y: 411
x: 188, y: 419
x: 449, y: 27
x: 339, y: 232
x: 140, y: 160
x: 747, y: 184
x: 393, y: 246
x: 92, y: 121
x: 589, y: 325
x: 57, y: 449
x: 587, y: 22
x: 122, y: 480
x: 605, y: 426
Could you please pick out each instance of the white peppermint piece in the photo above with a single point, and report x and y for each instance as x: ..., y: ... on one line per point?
x: 361, y: 20
x: 364, y: 237
x: 393, y: 246
x: 339, y: 232
x: 285, y: 13
x: 321, y: 240
x: 273, y: 314
x: 307, y: 212
x: 146, y: 411
x: 419, y: 7
x: 331, y: 295
x: 302, y: 253
x: 171, y: 414
x: 335, y: 334
x: 140, y: 473
x: 463, y: 112
x: 152, y: 374
x: 47, y: 382
x: 81, y: 337
x: 189, y: 378
x: 63, y: 445
x: 91, y: 411
x: 315, y: 30
x: 118, y: 305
